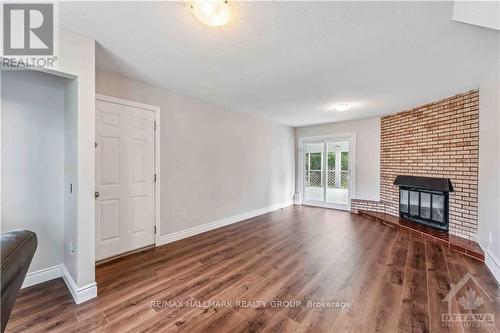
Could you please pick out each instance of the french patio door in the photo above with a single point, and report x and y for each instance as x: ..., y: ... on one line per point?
x: 327, y: 178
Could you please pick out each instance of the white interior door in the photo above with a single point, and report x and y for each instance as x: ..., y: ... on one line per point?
x: 124, y: 178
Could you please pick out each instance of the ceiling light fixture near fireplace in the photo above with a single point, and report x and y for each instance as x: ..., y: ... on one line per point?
x: 214, y: 13
x: 342, y: 107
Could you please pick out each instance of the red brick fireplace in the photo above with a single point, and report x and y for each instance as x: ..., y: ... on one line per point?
x: 439, y: 139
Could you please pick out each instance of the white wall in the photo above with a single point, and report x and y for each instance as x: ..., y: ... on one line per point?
x: 214, y: 163
x: 33, y: 161
x: 489, y: 165
x: 70, y: 174
x: 367, y: 152
x: 77, y: 59
x: 76, y: 64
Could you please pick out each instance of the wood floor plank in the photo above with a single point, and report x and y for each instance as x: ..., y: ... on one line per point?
x: 333, y: 274
x: 382, y: 306
x: 438, y: 287
x: 367, y: 285
x: 458, y: 270
x: 280, y: 323
x: 414, y: 315
x: 392, y: 281
x: 486, y: 280
x: 352, y: 278
x: 223, y: 321
x: 396, y: 265
x: 128, y: 319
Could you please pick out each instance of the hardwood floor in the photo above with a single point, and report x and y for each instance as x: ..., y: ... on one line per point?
x: 381, y: 279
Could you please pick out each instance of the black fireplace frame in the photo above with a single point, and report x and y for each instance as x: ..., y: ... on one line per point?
x: 431, y: 186
x: 442, y: 225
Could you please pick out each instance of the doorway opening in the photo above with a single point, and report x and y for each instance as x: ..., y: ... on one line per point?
x: 327, y: 176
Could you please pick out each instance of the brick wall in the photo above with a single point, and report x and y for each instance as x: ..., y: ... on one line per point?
x: 440, y: 139
x: 367, y: 205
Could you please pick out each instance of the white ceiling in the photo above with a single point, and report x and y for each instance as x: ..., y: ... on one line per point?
x: 289, y: 61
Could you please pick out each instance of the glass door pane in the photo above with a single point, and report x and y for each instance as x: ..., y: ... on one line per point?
x: 438, y: 207
x: 403, y: 201
x: 314, y: 171
x: 414, y: 197
x: 425, y: 205
x: 337, y: 191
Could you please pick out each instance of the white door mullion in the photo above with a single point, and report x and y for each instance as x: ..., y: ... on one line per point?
x: 324, y: 165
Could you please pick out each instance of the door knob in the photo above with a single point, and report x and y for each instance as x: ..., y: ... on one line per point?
x: 96, y: 195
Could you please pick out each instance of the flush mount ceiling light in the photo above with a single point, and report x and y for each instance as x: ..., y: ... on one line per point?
x: 342, y: 107
x: 214, y: 13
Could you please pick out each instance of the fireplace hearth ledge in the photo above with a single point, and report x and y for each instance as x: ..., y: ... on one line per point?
x: 462, y: 245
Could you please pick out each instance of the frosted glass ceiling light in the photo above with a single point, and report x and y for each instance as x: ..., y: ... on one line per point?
x: 214, y: 13
x: 342, y: 107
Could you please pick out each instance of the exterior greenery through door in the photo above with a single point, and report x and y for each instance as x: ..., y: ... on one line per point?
x: 314, y: 172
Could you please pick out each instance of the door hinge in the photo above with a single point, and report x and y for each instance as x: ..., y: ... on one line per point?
x: 155, y: 125
x: 155, y: 230
x: 95, y: 144
x: 155, y: 177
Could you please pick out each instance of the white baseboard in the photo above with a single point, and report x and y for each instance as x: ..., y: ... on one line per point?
x: 80, y: 294
x: 42, y: 275
x: 493, y: 264
x: 327, y: 205
x: 297, y: 199
x: 175, y: 236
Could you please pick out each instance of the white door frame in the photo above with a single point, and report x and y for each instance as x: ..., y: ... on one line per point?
x: 156, y: 111
x: 351, y: 138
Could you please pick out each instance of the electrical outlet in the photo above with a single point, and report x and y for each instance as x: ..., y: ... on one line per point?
x: 183, y: 216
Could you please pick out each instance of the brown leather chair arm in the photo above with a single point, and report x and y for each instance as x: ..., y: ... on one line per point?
x: 16, y: 251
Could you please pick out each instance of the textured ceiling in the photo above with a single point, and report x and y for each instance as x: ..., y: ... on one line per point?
x: 289, y: 61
